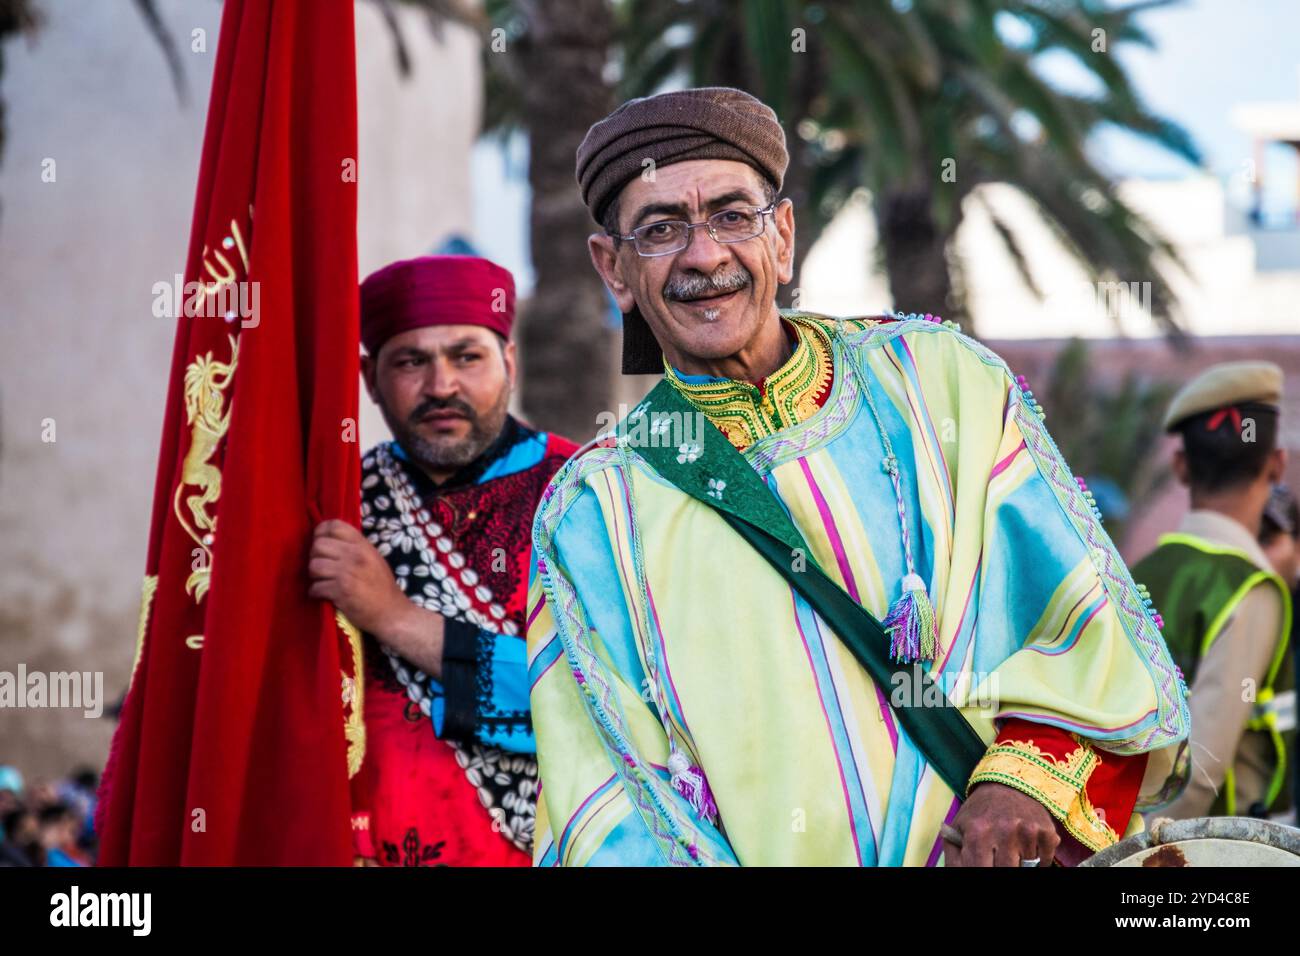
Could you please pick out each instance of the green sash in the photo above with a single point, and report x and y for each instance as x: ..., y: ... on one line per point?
x: 712, y: 471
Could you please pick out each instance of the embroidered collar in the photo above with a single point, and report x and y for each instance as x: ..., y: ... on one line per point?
x: 746, y: 412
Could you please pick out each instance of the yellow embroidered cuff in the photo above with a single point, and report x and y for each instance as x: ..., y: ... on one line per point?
x: 1058, y: 784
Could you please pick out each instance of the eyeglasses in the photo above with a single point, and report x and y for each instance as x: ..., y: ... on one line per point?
x: 667, y: 236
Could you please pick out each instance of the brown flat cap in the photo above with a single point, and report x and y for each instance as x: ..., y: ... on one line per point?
x: 711, y: 122
x: 1230, y: 383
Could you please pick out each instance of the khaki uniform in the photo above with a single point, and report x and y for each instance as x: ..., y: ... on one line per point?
x: 1236, y: 663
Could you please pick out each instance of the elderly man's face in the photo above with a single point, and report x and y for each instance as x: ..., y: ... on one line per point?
x: 444, y: 391
x: 710, y: 300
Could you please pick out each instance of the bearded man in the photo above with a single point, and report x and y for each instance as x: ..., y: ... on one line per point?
x: 863, y: 615
x: 438, y: 580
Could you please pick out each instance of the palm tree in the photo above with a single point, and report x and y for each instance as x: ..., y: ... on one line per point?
x: 545, y: 75
x: 549, y: 81
x: 1109, y: 439
x: 920, y: 101
x: 747, y: 45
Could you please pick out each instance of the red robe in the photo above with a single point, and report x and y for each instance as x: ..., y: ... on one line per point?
x: 441, y: 789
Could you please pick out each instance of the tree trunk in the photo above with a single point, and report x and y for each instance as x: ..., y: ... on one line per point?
x: 808, y: 81
x: 566, y: 344
x: 15, y: 16
x: 916, y: 254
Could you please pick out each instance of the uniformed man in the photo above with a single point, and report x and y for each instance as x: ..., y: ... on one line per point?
x: 1279, y: 536
x: 1227, y: 613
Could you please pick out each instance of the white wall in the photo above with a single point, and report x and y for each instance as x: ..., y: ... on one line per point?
x: 1225, y: 294
x: 78, y: 342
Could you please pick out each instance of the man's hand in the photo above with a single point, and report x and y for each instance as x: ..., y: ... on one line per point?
x: 346, y: 570
x: 1001, y: 826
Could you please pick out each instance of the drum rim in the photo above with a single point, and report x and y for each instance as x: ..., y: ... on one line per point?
x: 1266, y: 832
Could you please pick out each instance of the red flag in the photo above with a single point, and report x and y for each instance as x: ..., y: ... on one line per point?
x: 242, y: 725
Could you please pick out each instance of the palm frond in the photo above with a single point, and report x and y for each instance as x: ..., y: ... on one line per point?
x: 148, y: 10
x: 1011, y: 243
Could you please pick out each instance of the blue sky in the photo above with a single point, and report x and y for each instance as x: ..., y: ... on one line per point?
x: 1211, y: 55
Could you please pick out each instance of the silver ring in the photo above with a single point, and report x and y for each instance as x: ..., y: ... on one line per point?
x: 1034, y: 862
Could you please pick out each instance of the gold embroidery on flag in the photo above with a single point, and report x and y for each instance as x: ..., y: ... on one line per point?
x: 147, y: 591
x: 207, y: 411
x: 354, y: 725
x: 227, y: 275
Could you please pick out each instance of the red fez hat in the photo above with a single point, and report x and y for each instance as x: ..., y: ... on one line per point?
x: 435, y: 290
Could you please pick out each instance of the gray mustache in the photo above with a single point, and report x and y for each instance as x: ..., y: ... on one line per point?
x: 681, y: 288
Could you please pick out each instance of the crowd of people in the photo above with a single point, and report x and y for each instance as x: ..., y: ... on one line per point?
x: 47, y: 823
